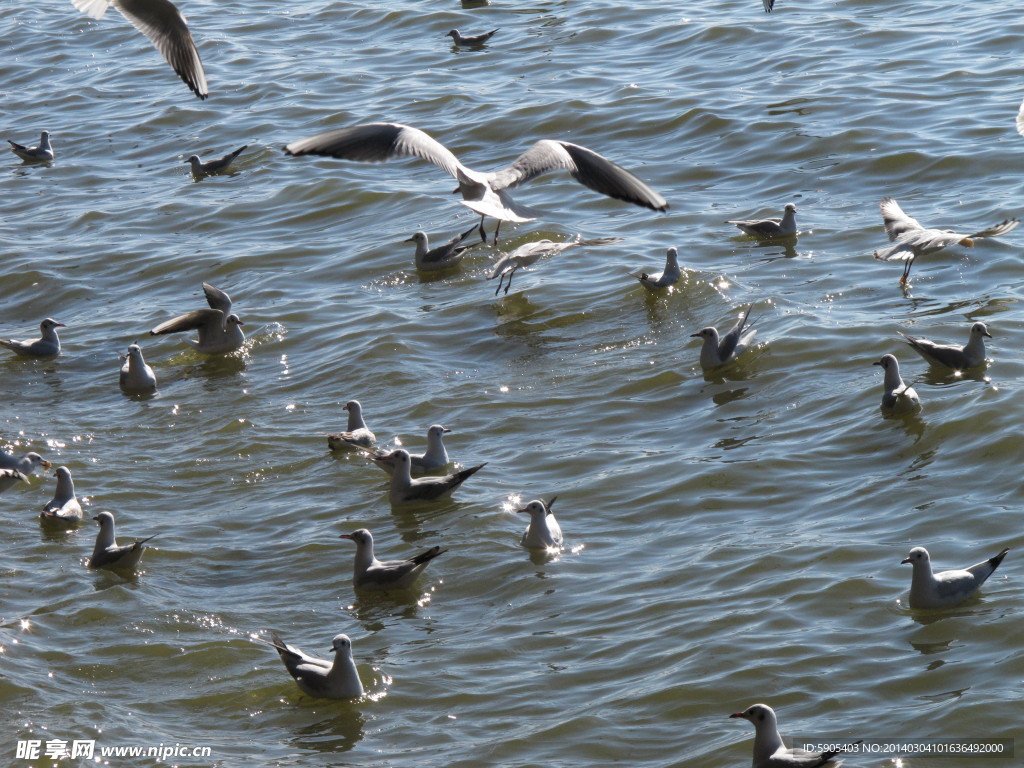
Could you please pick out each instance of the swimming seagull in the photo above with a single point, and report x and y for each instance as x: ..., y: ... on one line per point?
x: 669, y: 276
x: 356, y: 434
x: 529, y: 253
x: 769, y: 228
x: 42, y: 153
x: 912, y: 239
x: 220, y: 331
x: 106, y: 553
x: 48, y: 345
x: 373, y: 574
x: 27, y: 464
x: 406, y: 489
x: 897, y: 397
x: 448, y: 255
x: 716, y: 353
x: 201, y: 170
x: 543, y: 532
x: 469, y: 41
x: 11, y: 477
x: 166, y: 28
x: 64, y: 508
x: 948, y: 588
x: 136, y: 375
x: 770, y: 752
x: 952, y: 355
x: 319, y: 678
x: 485, y: 193
x: 434, y: 458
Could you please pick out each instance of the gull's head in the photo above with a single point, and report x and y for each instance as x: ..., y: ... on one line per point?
x: 233, y: 320
x: 672, y: 254
x: 49, y: 324
x: 790, y: 208
x: 888, y: 362
x: 915, y: 556
x: 360, y: 536
x: 62, y: 472
x: 537, y: 510
x: 44, y: 135
x: 341, y: 644
x: 352, y: 406
x: 757, y: 714
x: 979, y: 329
x: 706, y: 333
x: 37, y: 461
x: 401, y: 456
x: 417, y: 237
x: 436, y: 431
x: 105, y: 520
x: 452, y: 34
x: 193, y: 159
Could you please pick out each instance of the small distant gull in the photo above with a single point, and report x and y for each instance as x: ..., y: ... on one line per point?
x: 42, y: 153
x: 769, y: 228
x: 64, y: 508
x: 201, y: 170
x: 948, y: 588
x: 912, y: 239
x: 897, y: 397
x: 405, y: 489
x: 166, y: 28
x: 669, y: 276
x: 952, y: 355
x: 543, y: 532
x: 716, y: 353
x: 136, y: 375
x: 770, y: 752
x: 470, y: 41
x: 220, y: 331
x: 28, y: 464
x: 11, y: 477
x: 48, y: 345
x: 768, y: 5
x: 530, y: 253
x: 356, y: 434
x: 373, y: 574
x: 485, y: 193
x: 448, y: 255
x: 106, y: 553
x: 319, y: 678
x: 435, y: 457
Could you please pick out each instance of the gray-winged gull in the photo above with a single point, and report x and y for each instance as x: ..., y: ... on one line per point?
x: 770, y: 752
x: 953, y: 356
x: 201, y: 170
x: 431, y: 460
x: 716, y: 352
x: 443, y: 256
x: 136, y: 375
x: 667, y: 277
x: 947, y: 588
x: 405, y: 489
x: 469, y: 41
x: 44, y: 152
x: 897, y: 397
x: 543, y: 532
x: 220, y: 331
x: 107, y: 554
x: 370, y: 573
x: 319, y: 678
x: 28, y: 464
x: 47, y: 345
x: 356, y: 434
x: 64, y: 508
x: 769, y: 228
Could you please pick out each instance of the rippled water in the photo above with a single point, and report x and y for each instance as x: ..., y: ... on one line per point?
x: 730, y: 538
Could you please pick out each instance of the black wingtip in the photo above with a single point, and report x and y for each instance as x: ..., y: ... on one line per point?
x: 995, y: 561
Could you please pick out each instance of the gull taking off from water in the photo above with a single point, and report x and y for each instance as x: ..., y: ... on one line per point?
x: 897, y: 397
x: 952, y: 355
x: 166, y: 28
x: 136, y: 375
x: 669, y: 276
x: 48, y: 345
x: 470, y: 41
x: 770, y: 752
x: 11, y: 477
x: 404, y: 489
x: 770, y: 228
x: 106, y: 553
x: 64, y: 508
x: 435, y: 457
x: 716, y: 353
x: 27, y: 464
x: 373, y: 574
x: 530, y: 253
x: 543, y: 532
x: 356, y: 434
x: 485, y: 193
x: 319, y: 678
x: 912, y: 239
x: 948, y: 588
x: 220, y: 331
x: 42, y: 153
x: 201, y: 170
x: 448, y: 255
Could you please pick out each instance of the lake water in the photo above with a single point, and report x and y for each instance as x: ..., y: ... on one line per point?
x: 730, y: 538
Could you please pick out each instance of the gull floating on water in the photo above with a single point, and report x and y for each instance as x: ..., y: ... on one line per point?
x: 769, y: 228
x: 470, y: 41
x: 716, y: 353
x: 220, y: 331
x: 42, y: 153
x: 948, y: 588
x: 952, y: 355
x: 11, y: 477
x: 530, y: 253
x: 448, y: 255
x: 47, y: 345
x: 27, y: 464
x: 136, y: 375
x: 319, y: 678
x: 373, y: 574
x: 433, y: 459
x: 669, y: 276
x: 897, y: 397
x: 543, y: 532
x: 912, y: 239
x: 166, y: 28
x: 485, y: 193
x: 64, y: 508
x: 405, y: 489
x: 201, y: 170
x: 106, y: 553
x: 770, y: 752
x: 356, y: 434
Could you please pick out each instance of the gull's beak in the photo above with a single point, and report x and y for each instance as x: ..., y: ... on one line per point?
x: 46, y: 463
x: 346, y: 536
x: 694, y: 335
x: 410, y: 240
x: 331, y: 649
x: 445, y: 431
x: 59, y: 325
x: 736, y: 714
x: 877, y: 362
x: 240, y: 322
x: 987, y: 335
x: 97, y: 517
x: 521, y: 510
x: 904, y: 561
